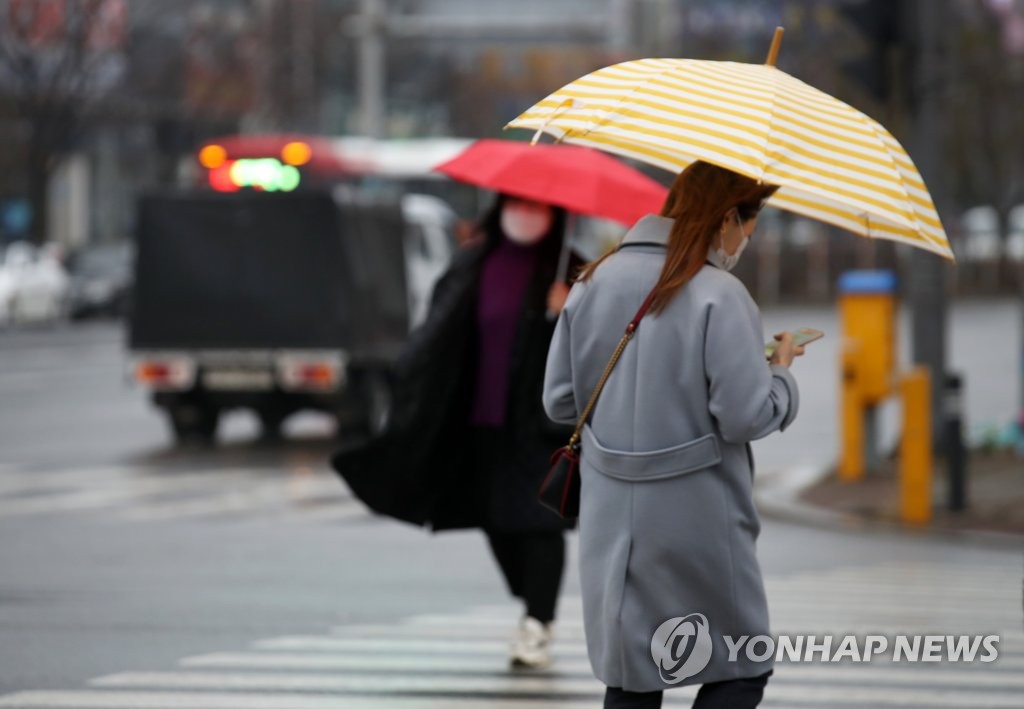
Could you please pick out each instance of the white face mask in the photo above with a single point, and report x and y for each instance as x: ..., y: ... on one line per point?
x: 725, y: 261
x: 525, y: 226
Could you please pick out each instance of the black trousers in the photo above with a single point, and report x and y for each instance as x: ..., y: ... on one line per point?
x: 532, y: 564
x: 743, y: 693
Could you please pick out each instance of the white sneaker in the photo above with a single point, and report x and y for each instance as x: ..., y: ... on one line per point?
x: 532, y: 645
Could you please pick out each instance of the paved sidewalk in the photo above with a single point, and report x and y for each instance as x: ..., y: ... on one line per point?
x: 995, y: 496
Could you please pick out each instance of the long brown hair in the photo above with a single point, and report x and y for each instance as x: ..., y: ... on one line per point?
x: 700, y: 197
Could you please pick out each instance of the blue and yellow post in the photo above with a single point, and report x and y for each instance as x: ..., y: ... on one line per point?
x: 867, y: 314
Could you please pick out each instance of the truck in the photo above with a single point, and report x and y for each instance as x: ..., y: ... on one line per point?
x: 278, y: 302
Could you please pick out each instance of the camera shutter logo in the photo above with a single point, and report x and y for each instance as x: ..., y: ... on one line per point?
x: 681, y: 647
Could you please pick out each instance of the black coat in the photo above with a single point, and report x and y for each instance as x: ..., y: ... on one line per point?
x: 422, y: 469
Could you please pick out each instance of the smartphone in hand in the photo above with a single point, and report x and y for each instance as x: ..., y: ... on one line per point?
x: 800, y: 337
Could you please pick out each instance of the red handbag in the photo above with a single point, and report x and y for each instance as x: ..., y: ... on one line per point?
x: 560, y: 489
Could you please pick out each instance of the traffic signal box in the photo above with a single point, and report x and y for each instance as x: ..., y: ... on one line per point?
x: 867, y: 311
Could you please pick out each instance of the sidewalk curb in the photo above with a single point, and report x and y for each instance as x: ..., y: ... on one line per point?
x: 778, y: 497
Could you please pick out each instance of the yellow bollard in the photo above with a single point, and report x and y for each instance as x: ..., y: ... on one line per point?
x: 916, y: 448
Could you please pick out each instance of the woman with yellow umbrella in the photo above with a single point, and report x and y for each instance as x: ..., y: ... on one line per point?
x: 669, y: 574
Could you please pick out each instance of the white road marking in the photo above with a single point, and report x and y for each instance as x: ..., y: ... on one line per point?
x: 229, y: 700
x: 140, y: 495
x: 947, y: 675
x: 318, y: 643
x: 460, y: 660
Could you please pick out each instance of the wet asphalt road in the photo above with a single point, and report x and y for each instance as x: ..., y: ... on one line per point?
x: 119, y: 552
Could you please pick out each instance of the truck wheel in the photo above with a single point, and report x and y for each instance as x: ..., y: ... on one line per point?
x: 271, y: 421
x: 377, y: 403
x: 193, y: 422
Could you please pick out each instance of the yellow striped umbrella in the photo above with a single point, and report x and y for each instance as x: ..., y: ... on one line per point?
x: 831, y: 162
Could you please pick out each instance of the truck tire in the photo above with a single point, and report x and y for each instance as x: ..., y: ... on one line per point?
x: 192, y: 422
x: 271, y: 421
x: 376, y: 402
x: 366, y: 411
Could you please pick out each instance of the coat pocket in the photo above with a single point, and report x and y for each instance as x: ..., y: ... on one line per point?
x: 644, y: 466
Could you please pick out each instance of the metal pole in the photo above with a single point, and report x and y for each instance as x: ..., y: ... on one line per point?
x: 371, y: 68
x: 872, y: 449
x: 1020, y: 373
x: 621, y: 30
x: 925, y: 22
x: 303, y: 62
x: 955, y: 450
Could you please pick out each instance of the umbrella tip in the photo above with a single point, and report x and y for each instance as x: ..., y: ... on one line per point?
x: 773, y: 52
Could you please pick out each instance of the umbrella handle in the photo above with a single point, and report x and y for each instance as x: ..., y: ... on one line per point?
x: 563, y: 258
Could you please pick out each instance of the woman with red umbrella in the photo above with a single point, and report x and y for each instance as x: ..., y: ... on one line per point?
x: 468, y: 441
x: 511, y: 435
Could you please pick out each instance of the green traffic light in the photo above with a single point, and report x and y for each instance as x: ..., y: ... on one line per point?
x: 267, y: 174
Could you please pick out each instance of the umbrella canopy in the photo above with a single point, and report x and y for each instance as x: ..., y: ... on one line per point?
x: 831, y: 162
x: 579, y: 179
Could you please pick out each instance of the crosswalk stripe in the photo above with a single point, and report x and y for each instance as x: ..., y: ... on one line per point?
x: 522, y: 686
x: 824, y: 621
x: 1010, y: 646
x: 254, y: 496
x: 231, y: 700
x: 995, y: 595
x: 140, y: 495
x: 1011, y: 639
x: 106, y: 493
x: 993, y: 589
x: 17, y: 480
x: 785, y: 672
x: 485, y: 629
x: 317, y: 643
x: 390, y: 662
x: 336, y: 511
x: 73, y: 501
x: 908, y: 567
x: 881, y: 611
x: 562, y: 649
x: 505, y: 684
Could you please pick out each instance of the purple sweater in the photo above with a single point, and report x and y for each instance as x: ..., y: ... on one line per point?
x: 503, y: 282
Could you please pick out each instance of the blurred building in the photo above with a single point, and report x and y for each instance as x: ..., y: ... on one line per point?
x: 158, y: 78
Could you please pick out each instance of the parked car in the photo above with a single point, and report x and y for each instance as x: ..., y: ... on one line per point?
x: 33, y: 285
x: 101, y: 281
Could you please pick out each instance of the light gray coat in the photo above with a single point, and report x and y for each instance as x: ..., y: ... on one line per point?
x: 667, y: 522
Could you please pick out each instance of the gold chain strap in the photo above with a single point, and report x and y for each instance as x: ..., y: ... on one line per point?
x: 575, y: 438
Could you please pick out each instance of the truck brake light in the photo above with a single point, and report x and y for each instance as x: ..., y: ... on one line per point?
x: 167, y: 373
x: 317, y: 375
x: 306, y: 373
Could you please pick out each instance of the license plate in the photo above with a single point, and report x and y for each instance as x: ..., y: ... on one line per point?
x: 238, y: 379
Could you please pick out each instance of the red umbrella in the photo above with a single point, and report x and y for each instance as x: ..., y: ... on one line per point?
x: 579, y: 179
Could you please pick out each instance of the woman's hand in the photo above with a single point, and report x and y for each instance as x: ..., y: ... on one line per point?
x: 786, y: 351
x: 557, y: 295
